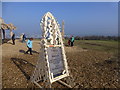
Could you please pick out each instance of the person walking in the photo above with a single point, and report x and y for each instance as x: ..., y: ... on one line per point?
x: 13, y: 39
x: 29, y: 46
x: 23, y: 38
x: 72, y: 41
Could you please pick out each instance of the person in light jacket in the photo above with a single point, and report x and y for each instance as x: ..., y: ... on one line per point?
x: 29, y: 46
x: 72, y: 41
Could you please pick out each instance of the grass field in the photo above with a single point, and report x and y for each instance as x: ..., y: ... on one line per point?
x: 98, y: 45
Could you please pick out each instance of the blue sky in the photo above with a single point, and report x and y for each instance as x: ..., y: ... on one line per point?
x: 0, y: 9
x: 81, y: 18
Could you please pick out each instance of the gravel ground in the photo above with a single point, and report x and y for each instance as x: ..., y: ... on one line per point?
x: 88, y: 68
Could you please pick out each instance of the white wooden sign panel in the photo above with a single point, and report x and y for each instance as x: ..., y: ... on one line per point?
x: 56, y: 62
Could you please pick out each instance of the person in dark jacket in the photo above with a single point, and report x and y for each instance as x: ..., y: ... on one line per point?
x: 13, y: 39
x: 29, y: 46
x: 23, y: 38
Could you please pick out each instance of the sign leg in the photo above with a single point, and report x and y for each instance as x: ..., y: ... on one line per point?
x: 64, y: 84
x: 37, y: 84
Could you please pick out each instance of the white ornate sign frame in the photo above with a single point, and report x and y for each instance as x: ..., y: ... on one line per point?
x: 52, y: 65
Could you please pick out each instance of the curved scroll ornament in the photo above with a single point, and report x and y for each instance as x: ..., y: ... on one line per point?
x: 50, y: 29
x: 52, y: 65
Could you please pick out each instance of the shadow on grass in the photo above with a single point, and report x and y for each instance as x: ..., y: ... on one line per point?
x: 5, y: 40
x: 35, y: 52
x: 100, y: 45
x: 67, y: 45
x: 23, y: 51
x: 24, y: 66
x: 110, y: 63
x: 9, y: 43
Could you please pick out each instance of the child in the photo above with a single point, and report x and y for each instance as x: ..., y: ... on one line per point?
x: 29, y: 45
x: 69, y: 42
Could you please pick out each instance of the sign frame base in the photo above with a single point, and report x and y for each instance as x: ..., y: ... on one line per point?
x: 60, y: 81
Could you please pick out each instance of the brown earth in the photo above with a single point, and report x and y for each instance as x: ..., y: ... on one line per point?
x: 88, y: 68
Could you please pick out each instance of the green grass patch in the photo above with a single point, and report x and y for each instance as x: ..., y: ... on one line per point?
x: 99, y: 45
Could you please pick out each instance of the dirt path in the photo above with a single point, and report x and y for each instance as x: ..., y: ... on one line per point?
x: 89, y: 68
x: 14, y: 64
x: 10, y: 50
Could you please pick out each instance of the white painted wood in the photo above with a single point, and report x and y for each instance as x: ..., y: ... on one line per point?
x: 47, y: 69
x: 64, y: 84
x: 38, y: 84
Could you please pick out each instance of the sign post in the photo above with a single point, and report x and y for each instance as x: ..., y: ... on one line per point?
x: 52, y: 65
